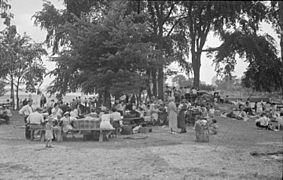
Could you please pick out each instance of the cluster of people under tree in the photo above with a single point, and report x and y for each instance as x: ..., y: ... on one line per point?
x: 176, y: 113
x: 155, y: 112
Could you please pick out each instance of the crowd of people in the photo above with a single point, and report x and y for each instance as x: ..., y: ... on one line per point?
x: 177, y: 112
x: 174, y: 113
x: 264, y: 112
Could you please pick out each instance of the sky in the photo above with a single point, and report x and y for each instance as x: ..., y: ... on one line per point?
x: 23, y: 11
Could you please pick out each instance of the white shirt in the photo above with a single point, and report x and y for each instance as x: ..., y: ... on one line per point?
x: 105, y: 122
x: 35, y: 118
x: 264, y: 121
x: 56, y: 112
x: 116, y: 116
x: 105, y: 117
x: 26, y: 110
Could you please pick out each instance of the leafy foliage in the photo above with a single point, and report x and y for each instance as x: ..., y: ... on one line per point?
x: 4, y: 7
x: 21, y: 60
x: 107, y: 54
x: 2, y: 88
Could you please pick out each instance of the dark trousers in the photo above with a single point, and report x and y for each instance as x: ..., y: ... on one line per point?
x: 27, y: 128
x: 268, y: 127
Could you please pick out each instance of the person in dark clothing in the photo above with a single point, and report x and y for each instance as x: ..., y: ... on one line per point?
x: 42, y: 101
x: 181, y: 119
x: 25, y: 101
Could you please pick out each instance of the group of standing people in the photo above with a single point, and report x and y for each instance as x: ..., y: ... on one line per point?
x: 176, y: 116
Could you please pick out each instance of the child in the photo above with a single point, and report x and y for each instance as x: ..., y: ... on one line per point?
x: 49, y: 132
x: 213, y: 127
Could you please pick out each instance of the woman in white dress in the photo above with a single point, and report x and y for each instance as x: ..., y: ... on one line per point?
x: 172, y: 115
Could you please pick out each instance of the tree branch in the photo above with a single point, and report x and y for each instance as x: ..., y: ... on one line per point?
x: 210, y: 49
x: 169, y: 13
x: 170, y: 31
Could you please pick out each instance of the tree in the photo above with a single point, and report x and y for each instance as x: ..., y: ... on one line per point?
x: 206, y: 16
x: 179, y: 80
x: 106, y: 55
x: 265, y: 68
x: 2, y: 88
x: 4, y: 7
x: 161, y: 27
x: 21, y: 61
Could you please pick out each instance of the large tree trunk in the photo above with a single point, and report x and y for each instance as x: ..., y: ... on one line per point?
x: 154, y: 82
x: 17, y: 94
x: 148, y: 83
x: 107, y: 99
x: 17, y: 97
x: 281, y: 26
x: 12, y: 92
x: 281, y: 34
x: 196, y: 68
x: 160, y: 82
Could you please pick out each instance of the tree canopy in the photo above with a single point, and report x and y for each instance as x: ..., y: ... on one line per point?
x: 123, y: 46
x: 21, y: 61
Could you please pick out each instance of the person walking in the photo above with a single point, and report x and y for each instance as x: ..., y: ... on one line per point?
x: 172, y: 115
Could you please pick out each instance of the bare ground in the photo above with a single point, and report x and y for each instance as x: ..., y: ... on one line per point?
x: 156, y: 155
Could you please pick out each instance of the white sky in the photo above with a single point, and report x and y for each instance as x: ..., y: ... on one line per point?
x: 23, y: 10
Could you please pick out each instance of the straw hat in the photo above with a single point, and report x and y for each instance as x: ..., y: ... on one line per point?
x: 67, y: 113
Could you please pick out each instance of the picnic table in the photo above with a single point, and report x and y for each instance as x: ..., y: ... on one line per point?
x: 133, y: 121
x: 87, y: 127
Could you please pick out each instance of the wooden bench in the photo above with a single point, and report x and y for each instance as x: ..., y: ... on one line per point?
x: 40, y: 128
x: 102, y: 132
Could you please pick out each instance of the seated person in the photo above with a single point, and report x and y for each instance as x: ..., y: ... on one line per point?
x: 56, y: 111
x: 238, y: 114
x: 129, y: 107
x: 35, y: 118
x: 74, y: 113
x: 212, y: 127
x: 135, y: 111
x: 264, y: 122
x: 105, y: 122
x: 248, y: 108
x: 119, y: 106
x: 66, y: 122
x: 154, y: 111
x: 115, y: 119
x: 115, y: 116
x: 4, y: 115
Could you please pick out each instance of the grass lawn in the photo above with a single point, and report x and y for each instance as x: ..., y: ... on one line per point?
x: 156, y: 155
